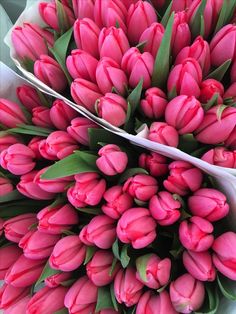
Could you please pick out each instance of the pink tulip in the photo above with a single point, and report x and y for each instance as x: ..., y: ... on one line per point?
x: 98, y: 269
x: 154, y: 104
x: 34, y: 146
x: 112, y: 160
x: 117, y: 202
x: 231, y: 141
x: 224, y: 254
x: 209, y: 88
x: 136, y: 226
x: 88, y: 190
x: 47, y: 70
x: 100, y: 231
x: 152, y: 37
x: 41, y: 117
x: 85, y: 93
x: 141, y: 14
x: 183, y: 178
x: 11, y: 114
x: 199, y: 265
x: 56, y: 219
x: 56, y: 280
x: 196, y: 234
x: 154, y: 163
x: 83, y: 9
x: 128, y: 3
x: 214, y: 130
x: 220, y: 156
x: 187, y: 294
x: 5, y: 186
x: 68, y: 254
x: 163, y: 133
x: 112, y: 43
x: 185, y: 78
x: 127, y: 288
x: 230, y: 92
x: 61, y: 114
x: 180, y: 5
x: 164, y: 208
x: 28, y: 96
x: 8, y: 255
x: 7, y: 140
x: 112, y: 108
x: 82, y: 296
x: 157, y: 271
x: 15, y: 228
x: 19, y: 307
x: 86, y: 34
x: 138, y: 66
x: 79, y: 129
x: 109, y: 75
x: 10, y: 295
x: 184, y: 113
x: 31, y: 41
x: 24, y: 272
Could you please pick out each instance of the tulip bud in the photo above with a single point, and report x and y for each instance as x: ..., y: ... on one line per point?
x: 138, y: 66
x: 7, y: 140
x: 79, y: 129
x: 86, y: 34
x: 56, y: 280
x: 187, y: 294
x: 180, y: 5
x: 100, y: 231
x: 195, y: 234
x: 152, y: 37
x: 112, y: 108
x: 5, y: 186
x: 224, y: 254
x: 11, y: 114
x: 199, y: 265
x: 8, y: 255
x: 184, y: 113
x: 135, y: 219
x: 88, y: 190
x: 154, y: 104
x: 141, y: 14
x: 15, y: 228
x: 185, y: 78
x: 209, y: 88
x: 61, y: 114
x: 163, y: 133
x: 183, y: 178
x: 98, y: 269
x: 34, y: 146
x: 28, y: 96
x: 117, y: 202
x: 127, y: 288
x: 154, y: 163
x: 19, y: 307
x: 47, y: 70
x: 41, y: 117
x: 83, y: 9
x: 68, y: 254
x: 10, y: 295
x: 219, y: 156
x: 31, y: 41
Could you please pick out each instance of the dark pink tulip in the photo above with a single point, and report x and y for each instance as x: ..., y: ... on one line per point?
x: 180, y: 5
x: 41, y: 301
x: 10, y: 295
x: 154, y: 163
x: 100, y: 231
x: 220, y: 156
x: 24, y: 272
x: 141, y: 14
x: 81, y: 64
x: 109, y: 75
x: 183, y: 178
x: 11, y: 114
x: 27, y: 187
x: 224, y: 254
x: 127, y: 288
x: 88, y: 190
x: 5, y: 186
x: 196, y: 234
x: 7, y: 140
x: 15, y: 228
x: 79, y: 129
x: 83, y: 8
x: 85, y: 93
x: 164, y: 208
x: 47, y: 70
x: 185, y: 78
x: 112, y: 160
x: 68, y: 254
x: 8, y: 255
x: 31, y: 41
x: 56, y: 280
x: 56, y: 219
x: 112, y: 108
x: 98, y: 269
x: 138, y: 66
x: 214, y: 130
x: 117, y: 202
x: 28, y: 96
x: 187, y: 294
x: 61, y: 114
x: 34, y: 146
x: 82, y: 296
x: 136, y: 226
x: 199, y: 265
x: 209, y: 88
x: 163, y: 133
x: 154, y: 104
x: 128, y: 3
x: 41, y: 117
x: 19, y: 307
x: 231, y: 141
x: 152, y: 36
x: 184, y: 113
x: 86, y: 34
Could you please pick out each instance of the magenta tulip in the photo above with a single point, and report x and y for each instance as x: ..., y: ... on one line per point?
x: 154, y: 104
x: 61, y: 114
x: 163, y: 133
x: 154, y: 163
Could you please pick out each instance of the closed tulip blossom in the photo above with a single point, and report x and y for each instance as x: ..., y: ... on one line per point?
x: 180, y: 5
x: 220, y: 156
x: 19, y: 307
x: 10, y: 295
x: 154, y: 163
x: 79, y: 129
x: 56, y: 280
x: 5, y: 186
x: 11, y: 114
x: 28, y: 96
x: 154, y: 104
x: 7, y: 140
x: 8, y: 255
x: 231, y: 141
x: 34, y: 146
x: 152, y: 36
x: 210, y: 88
x: 136, y: 226
x: 41, y: 117
x: 82, y: 9
x: 163, y: 133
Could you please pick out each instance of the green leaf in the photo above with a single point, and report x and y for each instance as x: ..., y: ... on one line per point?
x: 62, y: 311
x: 44, y: 100
x: 90, y: 210
x: 28, y: 64
x: 141, y: 265
x: 227, y: 287
x: 199, y: 152
x: 47, y: 272
x: 212, y: 302
x: 131, y: 172
x: 134, y: 97
x: 162, y: 62
x: 12, y: 196
x: 115, y: 249
x: 30, y: 130
x: 226, y: 13
x: 128, y: 122
x: 113, y: 265
x: 62, y: 17
x: 124, y: 257
x: 104, y: 300
x: 211, y: 102
x: 220, y: 111
x: 172, y: 94
x: 202, y: 26
x: 90, y: 250
x: 195, y: 23
x: 188, y: 143
x: 113, y: 298
x: 166, y: 16
x: 101, y: 135
x: 79, y: 162
x: 141, y: 45
x: 219, y: 72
